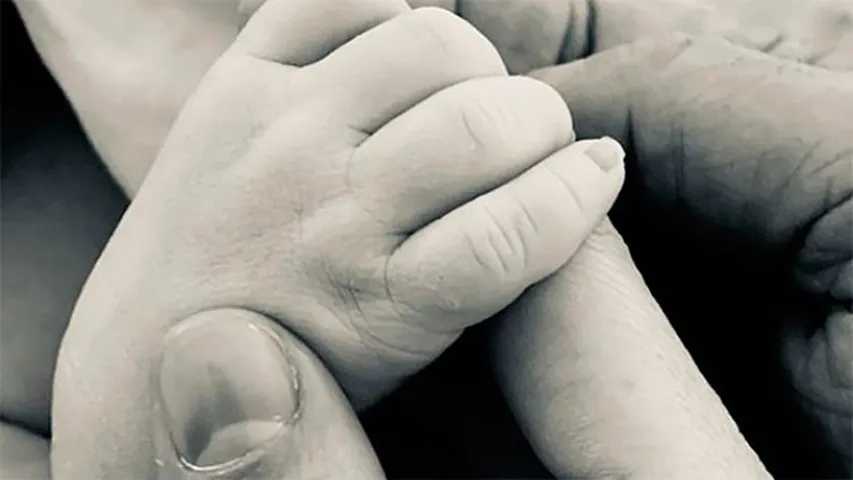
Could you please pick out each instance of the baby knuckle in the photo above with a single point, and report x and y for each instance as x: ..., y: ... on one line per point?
x: 550, y: 110
x: 445, y: 29
x: 521, y: 117
x: 457, y: 41
x: 554, y: 109
x: 484, y: 123
x: 413, y: 290
x: 508, y: 115
x: 502, y: 247
x: 572, y: 198
x: 434, y: 295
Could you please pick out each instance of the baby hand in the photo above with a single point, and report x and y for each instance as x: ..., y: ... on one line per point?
x: 374, y: 194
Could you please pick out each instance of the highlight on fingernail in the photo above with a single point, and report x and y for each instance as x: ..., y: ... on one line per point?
x: 227, y: 389
x: 606, y: 152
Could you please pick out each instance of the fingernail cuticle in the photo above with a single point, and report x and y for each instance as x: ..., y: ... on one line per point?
x: 226, y: 389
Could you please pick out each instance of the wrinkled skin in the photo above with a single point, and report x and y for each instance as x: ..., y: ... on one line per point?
x: 759, y: 202
x: 294, y: 185
x: 150, y: 81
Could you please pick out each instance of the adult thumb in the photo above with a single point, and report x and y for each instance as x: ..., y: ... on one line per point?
x: 239, y: 397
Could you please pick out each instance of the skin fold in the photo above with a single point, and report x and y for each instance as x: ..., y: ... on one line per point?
x: 483, y: 25
x: 770, y: 192
x: 296, y: 209
x: 116, y: 42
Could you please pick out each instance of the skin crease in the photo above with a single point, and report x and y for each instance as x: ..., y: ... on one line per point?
x: 797, y: 215
x: 161, y: 74
x: 267, y: 238
x: 316, y: 404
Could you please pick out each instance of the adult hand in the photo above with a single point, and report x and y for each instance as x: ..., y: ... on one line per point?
x: 127, y: 67
x: 282, y: 190
x: 233, y: 390
x: 237, y: 396
x: 741, y: 169
x: 592, y: 369
x: 534, y: 33
x: 539, y: 33
x: 601, y: 384
x: 141, y: 59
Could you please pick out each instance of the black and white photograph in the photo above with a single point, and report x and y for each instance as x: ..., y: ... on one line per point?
x: 426, y: 239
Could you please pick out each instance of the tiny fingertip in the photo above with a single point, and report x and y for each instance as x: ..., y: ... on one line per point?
x: 606, y: 152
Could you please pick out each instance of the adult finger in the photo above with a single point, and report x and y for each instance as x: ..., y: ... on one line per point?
x: 528, y: 33
x: 602, y: 386
x: 749, y: 144
x: 738, y: 145
x: 752, y: 153
x: 233, y: 396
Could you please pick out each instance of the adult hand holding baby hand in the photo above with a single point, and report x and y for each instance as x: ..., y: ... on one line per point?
x: 548, y: 304
x: 717, y: 151
x: 373, y: 194
x: 727, y: 187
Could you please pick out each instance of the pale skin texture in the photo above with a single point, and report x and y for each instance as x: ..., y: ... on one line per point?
x: 772, y: 192
x: 295, y: 207
x: 392, y: 302
x: 585, y: 189
x: 709, y: 135
x: 159, y: 54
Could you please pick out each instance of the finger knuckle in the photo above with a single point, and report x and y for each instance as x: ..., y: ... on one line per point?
x: 484, y: 121
x: 545, y: 102
x: 458, y: 43
x: 415, y: 289
x: 572, y: 199
x: 502, y: 247
x: 509, y: 115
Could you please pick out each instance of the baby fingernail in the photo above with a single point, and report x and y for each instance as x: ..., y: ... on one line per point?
x: 606, y: 153
x: 227, y: 388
